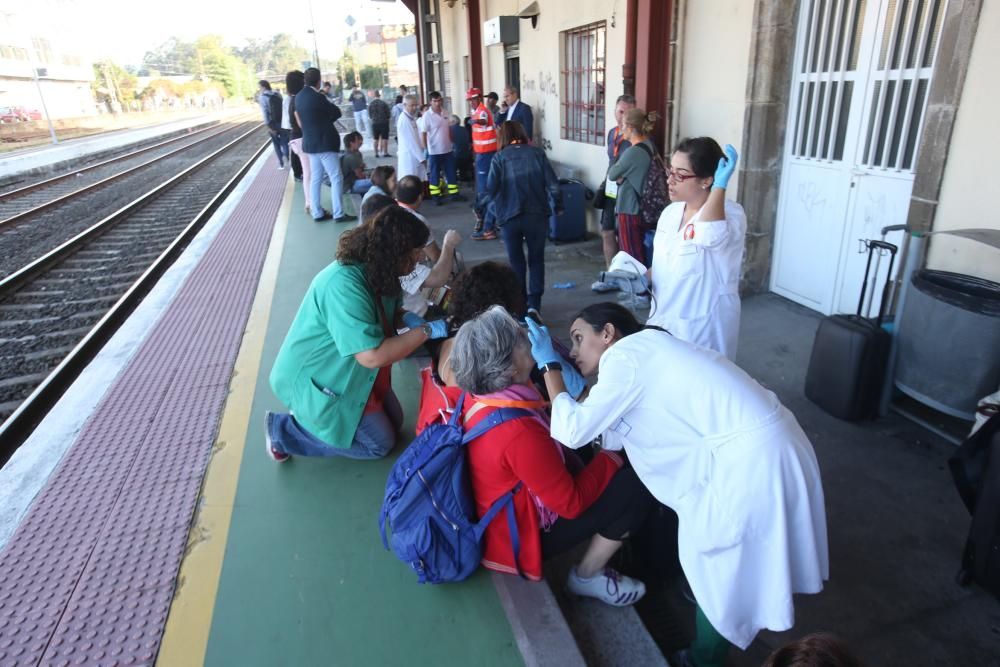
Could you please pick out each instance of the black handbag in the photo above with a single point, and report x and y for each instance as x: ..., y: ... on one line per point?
x: 600, y: 197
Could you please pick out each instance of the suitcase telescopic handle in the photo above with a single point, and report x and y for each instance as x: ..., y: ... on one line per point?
x: 883, y: 245
x: 874, y: 245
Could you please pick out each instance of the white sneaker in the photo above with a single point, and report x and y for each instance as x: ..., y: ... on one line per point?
x: 272, y: 453
x: 609, y: 587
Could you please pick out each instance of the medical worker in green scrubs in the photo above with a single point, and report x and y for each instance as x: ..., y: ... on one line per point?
x: 333, y: 370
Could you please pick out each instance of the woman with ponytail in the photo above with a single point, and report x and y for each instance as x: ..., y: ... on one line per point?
x: 630, y: 175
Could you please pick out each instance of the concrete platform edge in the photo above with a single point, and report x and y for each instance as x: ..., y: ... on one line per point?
x: 539, y: 627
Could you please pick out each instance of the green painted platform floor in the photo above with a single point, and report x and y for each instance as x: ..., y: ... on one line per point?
x: 305, y: 580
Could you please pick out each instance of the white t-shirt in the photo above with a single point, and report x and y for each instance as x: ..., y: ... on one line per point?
x: 413, y: 299
x: 438, y: 129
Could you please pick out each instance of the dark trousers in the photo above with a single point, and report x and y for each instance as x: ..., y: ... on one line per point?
x: 445, y: 162
x: 279, y: 140
x: 296, y: 165
x: 529, y: 230
x: 618, y: 512
x: 483, y: 209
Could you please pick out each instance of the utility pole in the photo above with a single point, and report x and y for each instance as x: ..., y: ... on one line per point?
x: 312, y: 22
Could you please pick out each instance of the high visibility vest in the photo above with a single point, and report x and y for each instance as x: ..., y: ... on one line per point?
x: 484, y: 137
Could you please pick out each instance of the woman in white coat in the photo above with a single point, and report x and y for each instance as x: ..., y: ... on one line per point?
x: 720, y: 450
x: 698, y: 249
x: 411, y: 147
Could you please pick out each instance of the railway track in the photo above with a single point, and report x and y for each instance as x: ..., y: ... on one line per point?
x: 59, y: 309
x: 38, y: 217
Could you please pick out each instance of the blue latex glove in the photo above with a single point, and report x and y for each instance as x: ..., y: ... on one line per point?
x: 726, y: 168
x: 439, y: 328
x: 575, y: 384
x: 541, y: 344
x: 412, y: 320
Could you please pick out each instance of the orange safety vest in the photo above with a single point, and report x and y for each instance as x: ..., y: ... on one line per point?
x: 484, y: 137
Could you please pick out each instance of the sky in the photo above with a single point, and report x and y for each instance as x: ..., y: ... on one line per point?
x: 123, y: 30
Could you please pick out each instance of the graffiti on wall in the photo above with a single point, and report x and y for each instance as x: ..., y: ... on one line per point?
x: 547, y: 92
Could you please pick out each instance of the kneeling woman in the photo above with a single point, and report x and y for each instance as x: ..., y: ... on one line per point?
x: 555, y: 511
x: 334, y: 369
x: 717, y: 448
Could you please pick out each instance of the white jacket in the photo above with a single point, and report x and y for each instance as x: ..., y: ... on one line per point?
x: 696, y: 277
x: 720, y: 450
x: 411, y: 148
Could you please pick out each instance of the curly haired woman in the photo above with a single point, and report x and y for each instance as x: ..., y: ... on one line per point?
x: 333, y: 369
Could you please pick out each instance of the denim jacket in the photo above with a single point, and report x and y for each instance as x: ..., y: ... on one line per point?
x: 521, y: 182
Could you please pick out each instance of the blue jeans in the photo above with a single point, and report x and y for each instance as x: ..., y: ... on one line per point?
x: 279, y: 140
x: 361, y: 186
x: 375, y: 437
x: 435, y: 165
x: 483, y: 210
x: 531, y: 230
x: 329, y: 163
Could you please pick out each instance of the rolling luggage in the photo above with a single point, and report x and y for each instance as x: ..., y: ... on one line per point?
x: 849, y: 354
x: 571, y: 224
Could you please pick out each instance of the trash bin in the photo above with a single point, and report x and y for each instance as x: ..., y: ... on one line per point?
x: 949, y: 341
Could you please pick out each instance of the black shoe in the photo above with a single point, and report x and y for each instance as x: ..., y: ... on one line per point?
x: 345, y: 218
x: 326, y: 216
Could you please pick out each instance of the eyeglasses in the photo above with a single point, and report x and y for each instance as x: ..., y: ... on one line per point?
x: 678, y: 176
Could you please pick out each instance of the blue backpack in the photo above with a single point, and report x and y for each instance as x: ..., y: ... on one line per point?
x: 428, y: 501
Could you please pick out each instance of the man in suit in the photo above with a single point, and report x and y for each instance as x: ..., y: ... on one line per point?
x: 321, y: 144
x: 518, y: 110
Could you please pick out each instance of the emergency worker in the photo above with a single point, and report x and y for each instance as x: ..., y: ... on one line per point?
x: 698, y: 249
x: 484, y: 146
x: 713, y: 445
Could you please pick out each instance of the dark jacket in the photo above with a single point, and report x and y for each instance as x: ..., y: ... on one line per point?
x: 318, y: 116
x: 524, y: 116
x: 521, y: 182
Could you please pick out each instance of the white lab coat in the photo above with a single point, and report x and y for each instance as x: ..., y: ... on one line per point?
x: 720, y: 450
x: 411, y: 150
x: 696, y: 277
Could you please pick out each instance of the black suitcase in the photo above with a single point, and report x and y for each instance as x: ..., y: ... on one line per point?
x: 848, y: 362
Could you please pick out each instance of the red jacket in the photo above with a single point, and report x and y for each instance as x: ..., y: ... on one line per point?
x: 436, y: 400
x: 522, y: 450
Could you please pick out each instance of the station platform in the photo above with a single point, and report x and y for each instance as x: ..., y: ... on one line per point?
x: 144, y: 523
x: 39, y: 159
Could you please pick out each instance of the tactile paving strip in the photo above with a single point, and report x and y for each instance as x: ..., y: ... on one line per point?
x: 89, y: 575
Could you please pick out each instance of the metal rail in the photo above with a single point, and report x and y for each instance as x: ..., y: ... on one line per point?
x: 70, y: 174
x: 104, y: 181
x: 15, y: 430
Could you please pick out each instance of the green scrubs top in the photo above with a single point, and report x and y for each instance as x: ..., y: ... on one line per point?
x: 315, y: 373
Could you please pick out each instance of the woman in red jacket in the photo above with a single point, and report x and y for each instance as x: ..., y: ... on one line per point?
x: 603, y: 503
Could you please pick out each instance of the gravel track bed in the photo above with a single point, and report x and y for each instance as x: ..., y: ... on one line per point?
x: 33, y: 237
x: 42, y: 322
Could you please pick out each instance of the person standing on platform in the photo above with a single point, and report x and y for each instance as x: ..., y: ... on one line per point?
x: 484, y: 145
x: 629, y: 173
x: 493, y: 104
x: 333, y: 370
x: 360, y: 106
x: 440, y: 158
x: 617, y: 145
x: 521, y: 184
x: 519, y: 111
x: 294, y: 83
x: 410, y: 153
x: 271, y: 106
x: 378, y: 114
x: 321, y: 142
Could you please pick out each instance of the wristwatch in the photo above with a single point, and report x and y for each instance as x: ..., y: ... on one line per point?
x: 551, y: 366
x: 428, y: 331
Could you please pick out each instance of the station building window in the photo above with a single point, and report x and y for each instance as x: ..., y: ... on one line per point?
x: 582, y: 58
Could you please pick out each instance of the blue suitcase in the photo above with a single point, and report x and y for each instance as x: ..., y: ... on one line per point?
x: 571, y: 224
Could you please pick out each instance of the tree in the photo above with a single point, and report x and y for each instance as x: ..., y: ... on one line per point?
x: 372, y: 77
x: 276, y: 55
x: 113, y: 84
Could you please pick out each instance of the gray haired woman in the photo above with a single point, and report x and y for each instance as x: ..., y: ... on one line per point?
x: 604, y: 503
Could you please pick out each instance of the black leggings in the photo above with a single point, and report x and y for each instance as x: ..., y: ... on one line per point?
x: 619, y: 511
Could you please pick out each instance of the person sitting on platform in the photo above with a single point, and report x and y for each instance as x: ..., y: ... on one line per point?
x: 333, y: 368
x: 383, y: 180
x: 555, y: 511
x: 353, y: 164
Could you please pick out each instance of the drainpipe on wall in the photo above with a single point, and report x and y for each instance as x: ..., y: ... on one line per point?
x: 475, y: 45
x: 628, y: 67
x: 674, y: 54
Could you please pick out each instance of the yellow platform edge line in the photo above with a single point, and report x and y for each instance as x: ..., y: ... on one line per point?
x: 189, y: 622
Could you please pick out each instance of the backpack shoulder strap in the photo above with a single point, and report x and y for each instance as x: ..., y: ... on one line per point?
x: 494, y: 418
x: 649, y: 151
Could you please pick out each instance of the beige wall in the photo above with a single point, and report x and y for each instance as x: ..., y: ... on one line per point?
x: 714, y: 61
x: 966, y: 199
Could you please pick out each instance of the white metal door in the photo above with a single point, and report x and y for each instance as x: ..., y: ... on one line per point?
x: 859, y: 90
